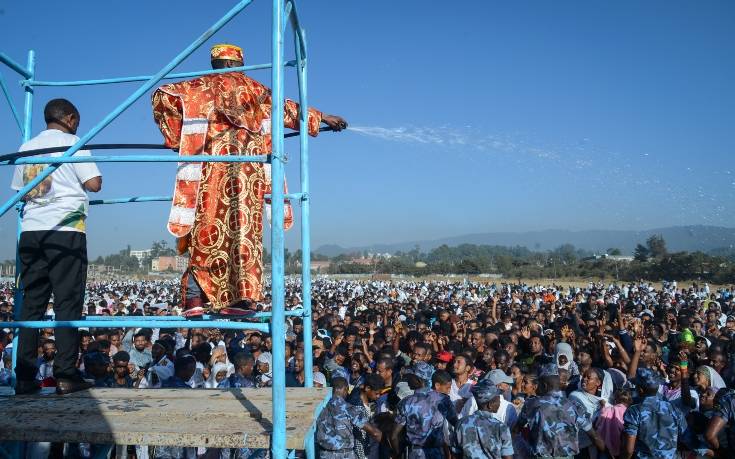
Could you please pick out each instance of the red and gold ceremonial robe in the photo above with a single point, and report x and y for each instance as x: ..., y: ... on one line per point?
x: 217, y: 208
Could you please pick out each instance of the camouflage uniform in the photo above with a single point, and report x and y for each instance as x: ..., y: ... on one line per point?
x: 236, y: 381
x: 424, y: 414
x: 334, y: 429
x: 725, y: 407
x: 554, y: 423
x: 423, y: 370
x: 656, y: 424
x: 173, y: 452
x: 481, y: 435
x: 174, y: 382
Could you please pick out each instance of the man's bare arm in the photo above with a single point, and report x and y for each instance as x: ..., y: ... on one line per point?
x: 94, y: 184
x: 716, y: 424
x: 596, y: 439
x: 628, y: 446
x: 395, y: 438
x: 337, y: 123
x: 373, y: 432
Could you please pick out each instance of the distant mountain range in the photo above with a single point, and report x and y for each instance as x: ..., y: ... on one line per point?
x: 678, y: 238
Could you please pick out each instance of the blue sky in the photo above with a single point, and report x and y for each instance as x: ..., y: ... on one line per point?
x: 478, y: 116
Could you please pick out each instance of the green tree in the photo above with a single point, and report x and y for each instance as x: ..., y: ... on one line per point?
x: 467, y: 267
x: 656, y: 246
x: 614, y: 251
x: 566, y: 253
x: 318, y: 257
x: 641, y: 253
x: 161, y: 249
x: 415, y: 253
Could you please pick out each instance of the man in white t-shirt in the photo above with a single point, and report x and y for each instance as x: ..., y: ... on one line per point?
x: 53, y: 248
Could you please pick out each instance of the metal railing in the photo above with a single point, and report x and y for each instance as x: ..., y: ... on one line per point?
x: 283, y: 11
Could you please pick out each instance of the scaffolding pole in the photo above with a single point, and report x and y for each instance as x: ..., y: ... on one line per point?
x: 283, y: 13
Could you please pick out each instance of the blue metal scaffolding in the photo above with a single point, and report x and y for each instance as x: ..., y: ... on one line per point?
x: 283, y: 11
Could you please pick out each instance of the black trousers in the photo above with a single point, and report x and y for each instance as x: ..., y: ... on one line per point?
x: 51, y: 262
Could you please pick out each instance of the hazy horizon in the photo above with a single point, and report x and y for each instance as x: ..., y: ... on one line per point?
x: 490, y: 117
x: 97, y: 249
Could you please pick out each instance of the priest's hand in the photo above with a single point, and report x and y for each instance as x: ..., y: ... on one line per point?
x: 337, y: 123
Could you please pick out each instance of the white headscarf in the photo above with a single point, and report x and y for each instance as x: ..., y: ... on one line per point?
x: 715, y: 380
x: 266, y: 357
x: 212, y: 380
x: 566, y: 350
x: 591, y: 402
x: 608, y: 387
x: 618, y: 377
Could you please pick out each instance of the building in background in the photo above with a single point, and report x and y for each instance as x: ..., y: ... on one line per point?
x: 320, y: 266
x: 141, y: 255
x: 7, y: 269
x: 169, y: 263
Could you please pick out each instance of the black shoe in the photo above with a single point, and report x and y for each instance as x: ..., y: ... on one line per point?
x: 68, y: 385
x: 27, y: 387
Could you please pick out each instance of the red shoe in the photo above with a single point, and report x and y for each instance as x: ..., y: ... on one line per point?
x: 194, y: 307
x: 235, y: 312
x: 193, y: 312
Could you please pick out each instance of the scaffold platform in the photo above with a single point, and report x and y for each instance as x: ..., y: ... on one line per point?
x: 161, y: 417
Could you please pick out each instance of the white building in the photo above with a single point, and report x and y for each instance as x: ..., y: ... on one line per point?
x: 141, y: 255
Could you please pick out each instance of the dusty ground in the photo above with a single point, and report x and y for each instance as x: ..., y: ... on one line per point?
x: 563, y: 282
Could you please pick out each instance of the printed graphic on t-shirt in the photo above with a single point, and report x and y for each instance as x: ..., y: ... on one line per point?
x: 42, y: 196
x: 59, y: 202
x: 30, y: 172
x: 76, y: 219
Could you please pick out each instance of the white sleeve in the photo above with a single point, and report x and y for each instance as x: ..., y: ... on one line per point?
x: 17, y: 182
x: 85, y: 171
x: 695, y: 397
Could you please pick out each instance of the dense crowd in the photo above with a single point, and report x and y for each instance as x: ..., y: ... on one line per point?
x: 439, y: 369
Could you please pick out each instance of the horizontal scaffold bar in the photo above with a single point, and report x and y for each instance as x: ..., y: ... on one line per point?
x: 126, y: 318
x: 97, y: 202
x: 258, y: 315
x: 290, y: 196
x: 143, y: 159
x: 141, y: 323
x: 5, y: 59
x: 172, y: 76
x: 107, y: 146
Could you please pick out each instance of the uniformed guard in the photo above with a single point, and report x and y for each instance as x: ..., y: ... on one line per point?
x: 481, y: 435
x: 651, y: 428
x: 554, y: 421
x: 334, y: 425
x: 427, y: 416
x: 724, y: 415
x: 423, y: 370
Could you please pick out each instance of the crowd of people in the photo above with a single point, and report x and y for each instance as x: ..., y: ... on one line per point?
x: 450, y: 370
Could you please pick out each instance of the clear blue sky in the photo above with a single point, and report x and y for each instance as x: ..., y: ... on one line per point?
x: 474, y: 116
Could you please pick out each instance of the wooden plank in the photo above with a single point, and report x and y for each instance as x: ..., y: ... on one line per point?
x: 148, y: 406
x: 171, y: 417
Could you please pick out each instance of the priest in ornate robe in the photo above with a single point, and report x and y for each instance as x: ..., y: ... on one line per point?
x: 217, y: 208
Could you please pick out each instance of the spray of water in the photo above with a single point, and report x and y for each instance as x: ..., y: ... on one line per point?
x: 588, y: 166
x: 452, y: 138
